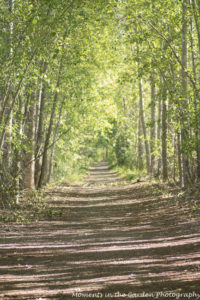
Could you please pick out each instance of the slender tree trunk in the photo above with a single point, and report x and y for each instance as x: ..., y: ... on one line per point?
x: 29, y: 161
x: 49, y: 131
x: 142, y: 118
x: 179, y: 158
x: 184, y: 108
x: 196, y: 15
x: 196, y: 103
x: 17, y: 162
x: 140, y: 163
x: 164, y: 137
x: 6, y: 112
x: 159, y: 137
x: 174, y: 156
x: 50, y: 170
x: 153, y: 125
x: 40, y: 129
x: 14, y: 98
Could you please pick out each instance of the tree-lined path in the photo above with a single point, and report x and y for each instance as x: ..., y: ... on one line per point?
x: 111, y: 238
x: 92, y: 80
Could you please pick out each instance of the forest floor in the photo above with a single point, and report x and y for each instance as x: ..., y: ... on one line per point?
x: 107, y: 240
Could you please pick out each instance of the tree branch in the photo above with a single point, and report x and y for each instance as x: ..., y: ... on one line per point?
x: 173, y: 51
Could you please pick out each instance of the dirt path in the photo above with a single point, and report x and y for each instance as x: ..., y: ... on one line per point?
x: 112, y: 242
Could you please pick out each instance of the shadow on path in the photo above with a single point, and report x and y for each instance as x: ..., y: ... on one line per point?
x: 112, y: 242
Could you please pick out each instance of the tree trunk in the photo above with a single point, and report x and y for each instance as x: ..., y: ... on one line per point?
x: 49, y: 131
x: 179, y: 158
x: 164, y: 137
x: 159, y: 138
x: 174, y: 156
x: 140, y: 164
x: 196, y: 15
x: 5, y: 110
x: 40, y: 129
x: 184, y: 107
x: 142, y: 118
x: 50, y: 170
x: 14, y: 99
x: 29, y: 161
x: 196, y: 103
x: 16, y: 161
x: 153, y: 125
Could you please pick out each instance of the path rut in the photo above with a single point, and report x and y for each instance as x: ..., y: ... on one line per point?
x: 112, y: 241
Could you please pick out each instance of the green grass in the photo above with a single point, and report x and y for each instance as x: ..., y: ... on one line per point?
x: 131, y: 175
x: 75, y: 177
x: 69, y: 176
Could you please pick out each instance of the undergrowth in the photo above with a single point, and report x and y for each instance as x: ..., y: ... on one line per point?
x: 70, y: 176
x: 189, y: 198
x: 31, y: 206
x: 131, y: 175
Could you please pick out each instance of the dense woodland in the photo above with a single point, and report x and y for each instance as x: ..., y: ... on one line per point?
x: 82, y: 78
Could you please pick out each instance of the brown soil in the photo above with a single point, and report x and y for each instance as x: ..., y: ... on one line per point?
x: 112, y: 241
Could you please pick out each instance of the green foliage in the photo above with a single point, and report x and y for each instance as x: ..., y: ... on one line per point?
x: 132, y: 175
x: 85, y: 60
x: 31, y: 206
x: 121, y: 148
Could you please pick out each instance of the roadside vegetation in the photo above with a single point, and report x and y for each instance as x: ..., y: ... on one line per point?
x: 84, y: 81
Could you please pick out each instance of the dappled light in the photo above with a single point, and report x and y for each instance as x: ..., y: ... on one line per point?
x: 108, y: 239
x: 99, y: 149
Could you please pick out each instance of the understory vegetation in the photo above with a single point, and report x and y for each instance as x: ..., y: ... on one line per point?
x: 84, y: 81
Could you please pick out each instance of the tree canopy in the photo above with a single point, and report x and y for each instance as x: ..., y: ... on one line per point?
x: 85, y: 78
